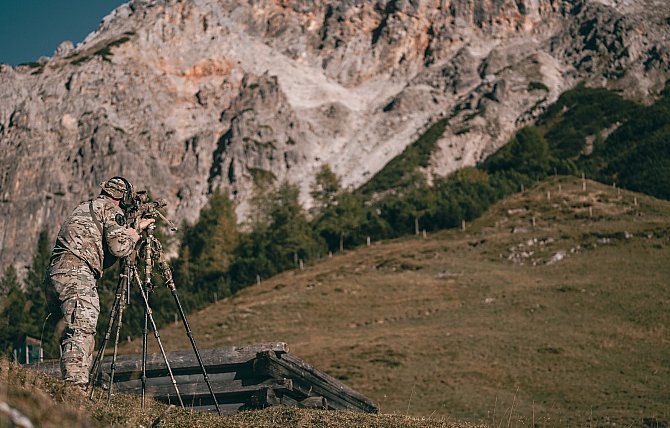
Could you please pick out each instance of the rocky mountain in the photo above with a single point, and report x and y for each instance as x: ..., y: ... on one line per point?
x: 183, y: 97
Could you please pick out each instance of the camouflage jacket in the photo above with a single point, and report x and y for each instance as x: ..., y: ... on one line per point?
x: 95, y: 233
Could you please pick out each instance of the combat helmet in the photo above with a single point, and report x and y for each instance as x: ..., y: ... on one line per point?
x: 118, y: 188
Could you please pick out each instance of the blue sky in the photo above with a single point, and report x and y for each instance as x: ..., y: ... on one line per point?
x: 33, y: 28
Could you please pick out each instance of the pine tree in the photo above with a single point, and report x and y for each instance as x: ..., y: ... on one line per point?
x: 325, y: 188
x: 342, y: 220
x: 34, y: 284
x: 291, y: 237
x: 207, y: 248
x: 12, y: 311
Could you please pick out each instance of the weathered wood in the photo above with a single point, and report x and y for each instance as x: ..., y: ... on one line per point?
x: 242, y: 378
x: 302, y: 374
x: 314, y: 403
x: 246, y: 376
x: 181, y: 362
x: 211, y: 358
x: 199, y: 390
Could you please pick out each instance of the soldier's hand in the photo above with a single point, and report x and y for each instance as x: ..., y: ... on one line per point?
x: 144, y: 223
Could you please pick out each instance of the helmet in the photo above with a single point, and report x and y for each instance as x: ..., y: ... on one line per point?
x: 120, y: 189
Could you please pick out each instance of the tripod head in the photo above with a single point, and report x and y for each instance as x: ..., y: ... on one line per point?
x: 142, y: 206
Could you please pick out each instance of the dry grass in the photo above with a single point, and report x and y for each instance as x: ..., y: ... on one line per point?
x: 452, y: 327
x: 48, y: 402
x: 449, y: 326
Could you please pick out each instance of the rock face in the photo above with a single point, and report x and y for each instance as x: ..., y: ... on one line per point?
x: 183, y: 97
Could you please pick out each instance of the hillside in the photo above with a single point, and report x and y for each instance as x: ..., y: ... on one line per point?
x: 550, y: 308
x: 29, y: 398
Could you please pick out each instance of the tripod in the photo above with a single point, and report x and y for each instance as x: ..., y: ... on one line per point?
x: 152, y: 253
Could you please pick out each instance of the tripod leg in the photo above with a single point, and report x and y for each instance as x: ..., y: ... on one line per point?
x: 119, y: 324
x: 167, y: 275
x: 157, y: 336
x: 144, y: 353
x: 97, y: 363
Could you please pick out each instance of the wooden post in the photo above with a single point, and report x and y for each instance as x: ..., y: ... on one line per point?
x: 590, y: 211
x: 583, y: 183
x: 635, y: 201
x: 216, y: 297
x: 548, y: 195
x: 462, y: 224
x: 560, y: 189
x: 522, y: 188
x: 302, y: 265
x: 258, y: 280
x: 368, y: 241
x: 533, y: 220
x: 330, y: 254
x: 424, y: 233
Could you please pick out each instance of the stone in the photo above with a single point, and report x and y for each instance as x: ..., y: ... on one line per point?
x: 183, y: 98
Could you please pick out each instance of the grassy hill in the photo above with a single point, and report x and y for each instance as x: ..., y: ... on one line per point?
x: 551, y: 309
x: 29, y: 398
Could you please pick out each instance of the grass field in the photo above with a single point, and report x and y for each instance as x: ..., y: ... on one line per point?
x: 550, y: 310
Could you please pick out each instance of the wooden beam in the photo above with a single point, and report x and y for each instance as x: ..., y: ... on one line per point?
x: 199, y: 390
x: 306, y: 376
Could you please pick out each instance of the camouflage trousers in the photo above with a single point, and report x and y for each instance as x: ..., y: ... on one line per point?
x: 74, y: 283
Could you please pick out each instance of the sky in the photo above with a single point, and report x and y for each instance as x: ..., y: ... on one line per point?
x: 33, y: 28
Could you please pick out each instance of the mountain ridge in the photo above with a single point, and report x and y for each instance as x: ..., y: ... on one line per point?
x: 185, y: 97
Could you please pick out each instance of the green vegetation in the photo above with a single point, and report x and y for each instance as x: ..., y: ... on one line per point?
x: 483, y: 313
x: 105, y: 52
x: 25, y: 310
x: 485, y: 325
x: 402, y: 171
x: 534, y: 86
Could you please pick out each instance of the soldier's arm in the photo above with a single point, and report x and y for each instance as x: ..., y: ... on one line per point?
x: 120, y: 239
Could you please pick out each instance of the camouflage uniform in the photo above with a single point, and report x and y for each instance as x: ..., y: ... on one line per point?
x: 90, y: 239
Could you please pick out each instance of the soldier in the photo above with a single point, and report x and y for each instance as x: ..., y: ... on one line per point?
x: 90, y: 240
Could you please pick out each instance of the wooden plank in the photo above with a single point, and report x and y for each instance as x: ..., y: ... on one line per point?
x: 247, y: 377
x: 181, y: 362
x: 304, y: 375
x: 197, y: 390
x: 315, y: 402
x: 213, y: 359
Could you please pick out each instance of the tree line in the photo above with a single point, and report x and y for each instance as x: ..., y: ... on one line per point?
x: 216, y: 258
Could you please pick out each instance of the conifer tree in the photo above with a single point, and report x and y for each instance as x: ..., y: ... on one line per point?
x: 325, y: 188
x: 34, y: 284
x: 291, y: 236
x: 12, y: 310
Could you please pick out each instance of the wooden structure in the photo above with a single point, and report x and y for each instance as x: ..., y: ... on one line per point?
x: 243, y: 378
x: 28, y: 350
